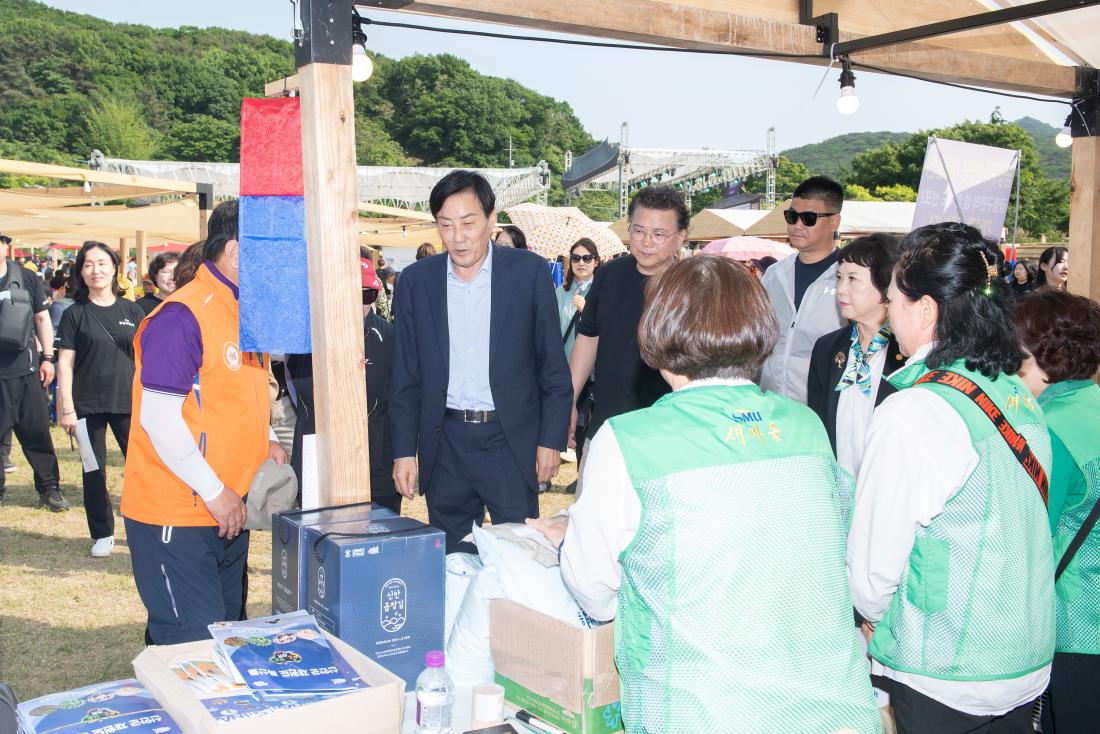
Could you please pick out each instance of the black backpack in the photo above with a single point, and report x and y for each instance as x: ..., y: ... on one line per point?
x: 16, y: 312
x: 9, y: 719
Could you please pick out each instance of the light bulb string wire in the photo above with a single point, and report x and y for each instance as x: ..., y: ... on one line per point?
x: 364, y: 20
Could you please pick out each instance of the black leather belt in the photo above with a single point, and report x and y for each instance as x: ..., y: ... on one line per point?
x: 471, y: 416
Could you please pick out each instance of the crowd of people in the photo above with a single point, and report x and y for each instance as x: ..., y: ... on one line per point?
x: 859, y: 469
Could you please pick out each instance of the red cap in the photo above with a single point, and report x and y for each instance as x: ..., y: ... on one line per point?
x: 370, y: 277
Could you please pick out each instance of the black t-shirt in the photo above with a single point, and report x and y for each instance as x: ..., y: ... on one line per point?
x: 24, y: 361
x: 103, y: 366
x: 612, y: 311
x: 805, y: 275
x: 148, y: 302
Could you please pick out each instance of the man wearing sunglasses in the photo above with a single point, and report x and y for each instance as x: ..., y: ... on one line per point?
x: 803, y: 288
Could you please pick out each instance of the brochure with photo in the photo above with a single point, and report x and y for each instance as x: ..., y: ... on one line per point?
x: 283, y: 655
x: 119, y: 706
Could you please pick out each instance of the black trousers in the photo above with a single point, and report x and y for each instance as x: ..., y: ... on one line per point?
x: 1074, y: 703
x: 475, y: 470
x: 25, y: 408
x: 187, y: 578
x: 97, y: 500
x: 919, y: 714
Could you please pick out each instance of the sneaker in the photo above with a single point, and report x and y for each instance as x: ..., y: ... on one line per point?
x: 53, y: 500
x: 569, y: 456
x: 102, y: 547
x: 8, y: 466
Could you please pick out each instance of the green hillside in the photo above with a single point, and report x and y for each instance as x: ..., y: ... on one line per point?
x: 1056, y: 162
x: 829, y: 157
x: 70, y: 83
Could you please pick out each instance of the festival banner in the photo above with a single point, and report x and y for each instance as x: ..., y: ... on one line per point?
x: 968, y: 183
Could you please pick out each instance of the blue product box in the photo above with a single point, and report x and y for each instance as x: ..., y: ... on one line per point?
x: 289, y: 562
x: 379, y: 587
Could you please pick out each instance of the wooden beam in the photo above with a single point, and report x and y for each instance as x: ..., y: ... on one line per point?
x: 142, y: 256
x: 66, y: 173
x: 282, y: 87
x: 687, y: 25
x: 396, y: 212
x: 335, y: 299
x: 1084, y: 218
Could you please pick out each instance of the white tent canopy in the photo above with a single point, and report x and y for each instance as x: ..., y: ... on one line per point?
x: 407, y: 188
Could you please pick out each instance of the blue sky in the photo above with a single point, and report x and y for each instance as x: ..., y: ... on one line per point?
x: 670, y: 100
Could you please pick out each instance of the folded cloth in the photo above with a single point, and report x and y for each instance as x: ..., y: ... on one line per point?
x: 274, y: 489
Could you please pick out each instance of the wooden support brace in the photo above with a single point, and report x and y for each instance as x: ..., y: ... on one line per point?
x: 335, y: 280
x: 1084, y: 218
x: 142, y: 256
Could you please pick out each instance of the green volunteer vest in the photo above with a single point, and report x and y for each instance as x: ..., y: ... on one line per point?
x: 976, y: 601
x: 734, y: 612
x: 1073, y: 414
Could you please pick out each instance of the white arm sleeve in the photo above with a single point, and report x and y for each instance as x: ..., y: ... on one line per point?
x: 162, y: 419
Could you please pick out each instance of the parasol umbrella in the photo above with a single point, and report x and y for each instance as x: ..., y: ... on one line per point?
x: 552, y: 230
x: 748, y: 248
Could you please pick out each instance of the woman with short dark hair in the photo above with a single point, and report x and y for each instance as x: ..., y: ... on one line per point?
x: 162, y: 276
x: 1061, y: 333
x: 95, y: 370
x: 711, y: 527
x: 849, y: 367
x: 949, y: 551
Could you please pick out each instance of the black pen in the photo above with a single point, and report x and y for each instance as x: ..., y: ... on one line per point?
x: 537, y: 723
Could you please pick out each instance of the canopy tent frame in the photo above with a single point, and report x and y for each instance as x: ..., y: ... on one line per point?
x: 323, y: 47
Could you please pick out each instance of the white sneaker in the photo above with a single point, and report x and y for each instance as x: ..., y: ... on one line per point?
x: 102, y: 547
x: 569, y: 456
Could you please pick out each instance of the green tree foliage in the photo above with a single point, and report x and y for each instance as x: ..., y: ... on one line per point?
x: 830, y: 157
x: 1044, y: 203
x: 70, y: 83
x: 117, y: 127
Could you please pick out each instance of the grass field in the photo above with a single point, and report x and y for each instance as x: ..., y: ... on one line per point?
x: 67, y: 619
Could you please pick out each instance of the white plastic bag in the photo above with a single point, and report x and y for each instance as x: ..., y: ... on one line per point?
x: 526, y: 581
x: 469, y: 656
x: 462, y: 569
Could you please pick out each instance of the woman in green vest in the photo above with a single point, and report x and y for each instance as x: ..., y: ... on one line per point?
x: 712, y: 530
x: 1061, y: 333
x: 949, y: 550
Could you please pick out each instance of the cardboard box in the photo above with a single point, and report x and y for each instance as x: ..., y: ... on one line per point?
x: 289, y: 559
x: 562, y: 674
x: 374, y: 710
x: 379, y: 587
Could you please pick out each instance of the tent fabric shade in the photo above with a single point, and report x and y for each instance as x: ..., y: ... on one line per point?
x: 551, y: 231
x: 713, y: 224
x: 856, y: 218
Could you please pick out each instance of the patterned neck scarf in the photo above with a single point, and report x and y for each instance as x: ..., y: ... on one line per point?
x: 859, y: 366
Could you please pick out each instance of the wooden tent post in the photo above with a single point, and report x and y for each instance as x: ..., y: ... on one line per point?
x: 335, y: 300
x: 123, y: 255
x: 142, y: 255
x: 1084, y: 198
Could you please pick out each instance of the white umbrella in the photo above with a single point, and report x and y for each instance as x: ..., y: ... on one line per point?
x: 553, y: 230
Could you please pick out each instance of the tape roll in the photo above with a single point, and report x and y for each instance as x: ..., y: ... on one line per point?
x: 487, y: 705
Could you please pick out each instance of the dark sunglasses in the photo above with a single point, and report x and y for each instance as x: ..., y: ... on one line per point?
x: 582, y: 258
x: 809, y: 219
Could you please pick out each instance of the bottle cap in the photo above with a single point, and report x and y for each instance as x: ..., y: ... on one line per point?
x: 434, y: 659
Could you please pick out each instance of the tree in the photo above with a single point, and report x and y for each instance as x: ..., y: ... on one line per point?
x: 116, y: 126
x: 1043, y: 203
x: 202, y: 138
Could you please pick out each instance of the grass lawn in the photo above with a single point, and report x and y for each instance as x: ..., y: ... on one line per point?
x: 67, y: 619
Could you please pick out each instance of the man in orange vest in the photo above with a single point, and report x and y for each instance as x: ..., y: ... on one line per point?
x: 202, y: 432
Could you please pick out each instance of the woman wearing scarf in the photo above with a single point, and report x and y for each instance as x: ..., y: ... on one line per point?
x: 848, y: 365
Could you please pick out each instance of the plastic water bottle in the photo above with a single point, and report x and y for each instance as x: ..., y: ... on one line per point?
x: 435, y: 697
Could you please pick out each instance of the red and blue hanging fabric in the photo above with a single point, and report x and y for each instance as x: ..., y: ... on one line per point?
x: 274, y: 274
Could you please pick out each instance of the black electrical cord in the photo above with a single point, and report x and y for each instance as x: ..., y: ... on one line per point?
x: 592, y: 44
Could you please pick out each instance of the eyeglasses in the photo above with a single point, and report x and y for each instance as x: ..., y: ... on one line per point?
x: 582, y: 258
x: 809, y: 219
x: 657, y: 236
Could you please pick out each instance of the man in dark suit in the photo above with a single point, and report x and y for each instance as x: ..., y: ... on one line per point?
x: 480, y: 385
